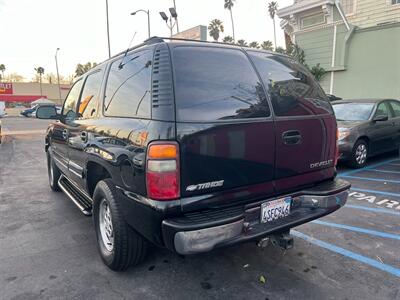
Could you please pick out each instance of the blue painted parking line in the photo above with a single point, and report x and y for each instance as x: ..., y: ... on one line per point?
x: 371, y: 179
x: 378, y: 210
x: 359, y: 229
x: 358, y: 257
x: 384, y: 171
x: 375, y: 192
x: 369, y: 167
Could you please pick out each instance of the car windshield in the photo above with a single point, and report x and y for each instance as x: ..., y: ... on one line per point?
x: 353, y: 111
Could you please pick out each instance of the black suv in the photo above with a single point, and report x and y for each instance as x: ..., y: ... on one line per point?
x: 193, y: 145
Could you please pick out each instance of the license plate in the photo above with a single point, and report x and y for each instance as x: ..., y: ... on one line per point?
x: 275, y: 209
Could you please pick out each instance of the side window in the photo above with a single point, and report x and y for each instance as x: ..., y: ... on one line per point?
x: 69, y: 112
x: 90, y: 93
x: 293, y: 90
x: 382, y: 110
x: 216, y: 84
x: 396, y: 108
x: 129, y: 86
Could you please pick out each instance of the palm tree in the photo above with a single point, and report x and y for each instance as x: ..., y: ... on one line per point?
x: 254, y: 45
x: 40, y: 72
x: 228, y: 39
x: 215, y: 28
x: 242, y: 43
x: 267, y: 45
x: 2, y: 69
x: 272, y: 8
x: 228, y: 5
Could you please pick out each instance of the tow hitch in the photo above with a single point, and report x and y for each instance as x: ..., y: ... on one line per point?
x: 281, y: 240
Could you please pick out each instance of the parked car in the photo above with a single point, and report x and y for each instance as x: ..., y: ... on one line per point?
x: 2, y: 109
x: 367, y: 127
x: 28, y: 112
x: 192, y: 146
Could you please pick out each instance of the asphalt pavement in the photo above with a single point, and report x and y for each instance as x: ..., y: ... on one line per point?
x: 48, y: 248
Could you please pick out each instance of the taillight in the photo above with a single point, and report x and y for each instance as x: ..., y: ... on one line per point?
x: 162, y: 171
x: 337, y: 147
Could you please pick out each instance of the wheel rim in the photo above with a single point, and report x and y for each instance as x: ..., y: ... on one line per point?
x: 361, y: 154
x: 105, y: 225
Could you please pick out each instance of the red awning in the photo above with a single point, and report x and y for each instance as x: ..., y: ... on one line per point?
x: 16, y: 98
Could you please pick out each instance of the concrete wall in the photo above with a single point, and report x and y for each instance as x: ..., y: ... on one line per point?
x: 373, y: 65
x: 49, y: 90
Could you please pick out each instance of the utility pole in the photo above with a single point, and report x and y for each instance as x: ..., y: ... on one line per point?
x: 177, y: 25
x: 108, y: 31
x: 58, y: 75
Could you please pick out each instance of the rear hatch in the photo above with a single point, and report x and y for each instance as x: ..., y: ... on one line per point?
x: 224, y: 124
x: 229, y: 150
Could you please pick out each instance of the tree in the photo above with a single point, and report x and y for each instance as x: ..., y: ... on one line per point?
x: 215, y: 28
x: 267, y: 45
x: 254, y: 45
x: 318, y: 72
x: 2, y: 69
x: 228, y: 5
x: 228, y: 39
x: 272, y: 8
x: 40, y: 72
x: 297, y: 53
x: 82, y: 69
x: 280, y: 50
x: 242, y: 43
x: 13, y: 77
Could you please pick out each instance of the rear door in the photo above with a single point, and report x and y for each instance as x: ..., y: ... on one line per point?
x: 395, y: 105
x: 305, y: 125
x: 78, y: 130
x: 224, y: 124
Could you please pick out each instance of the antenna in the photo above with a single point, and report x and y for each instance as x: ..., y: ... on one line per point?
x: 121, y: 64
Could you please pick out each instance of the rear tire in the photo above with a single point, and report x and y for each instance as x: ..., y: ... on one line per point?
x: 119, y: 245
x: 359, y: 154
x: 54, y: 173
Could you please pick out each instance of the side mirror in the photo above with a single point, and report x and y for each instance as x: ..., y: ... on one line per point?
x: 380, y: 118
x: 47, y: 112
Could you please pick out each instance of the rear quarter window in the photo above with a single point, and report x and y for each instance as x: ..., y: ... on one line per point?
x: 216, y: 84
x: 292, y: 89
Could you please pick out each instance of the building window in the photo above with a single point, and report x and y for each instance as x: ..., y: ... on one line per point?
x: 395, y: 2
x: 312, y: 20
x: 348, y: 6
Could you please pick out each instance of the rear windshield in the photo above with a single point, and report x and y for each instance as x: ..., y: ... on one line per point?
x: 216, y: 84
x: 293, y: 90
x: 353, y: 111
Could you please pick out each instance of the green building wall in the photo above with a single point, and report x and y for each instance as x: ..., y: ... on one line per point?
x: 367, y: 61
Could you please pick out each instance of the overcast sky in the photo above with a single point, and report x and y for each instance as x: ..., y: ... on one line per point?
x: 32, y: 30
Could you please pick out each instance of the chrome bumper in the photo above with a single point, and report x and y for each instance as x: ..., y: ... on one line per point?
x: 308, y: 207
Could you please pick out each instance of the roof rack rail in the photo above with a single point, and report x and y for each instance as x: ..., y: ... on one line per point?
x: 191, y: 40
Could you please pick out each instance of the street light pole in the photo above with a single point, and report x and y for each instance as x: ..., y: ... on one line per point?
x: 166, y: 19
x: 58, y: 75
x: 177, y: 26
x: 148, y: 18
x: 108, y: 31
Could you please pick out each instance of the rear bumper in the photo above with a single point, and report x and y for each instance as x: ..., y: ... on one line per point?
x: 204, y: 231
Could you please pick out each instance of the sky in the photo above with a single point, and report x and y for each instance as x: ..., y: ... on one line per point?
x: 31, y: 31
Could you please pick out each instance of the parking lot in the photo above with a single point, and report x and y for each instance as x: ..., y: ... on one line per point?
x: 48, y: 249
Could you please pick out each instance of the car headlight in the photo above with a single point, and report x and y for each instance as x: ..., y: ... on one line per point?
x: 343, y: 133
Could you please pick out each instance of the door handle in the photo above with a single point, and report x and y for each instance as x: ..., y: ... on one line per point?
x: 65, y: 134
x: 84, y: 136
x: 291, y: 137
